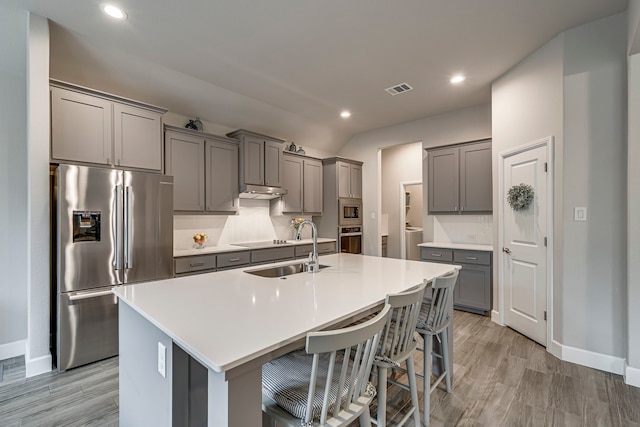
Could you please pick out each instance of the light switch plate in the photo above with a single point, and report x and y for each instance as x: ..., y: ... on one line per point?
x: 373, y: 215
x: 579, y: 213
x: 162, y: 359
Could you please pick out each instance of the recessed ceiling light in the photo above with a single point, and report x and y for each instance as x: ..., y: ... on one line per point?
x: 113, y: 11
x: 458, y: 78
x: 345, y: 114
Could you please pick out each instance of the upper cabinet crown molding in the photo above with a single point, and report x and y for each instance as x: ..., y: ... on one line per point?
x: 460, y: 178
x: 89, y: 126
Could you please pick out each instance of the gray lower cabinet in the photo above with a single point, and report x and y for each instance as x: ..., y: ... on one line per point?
x: 460, y: 179
x: 204, y: 169
x: 88, y: 126
x: 195, y: 264
x: 263, y: 256
x: 302, y: 177
x: 474, y: 285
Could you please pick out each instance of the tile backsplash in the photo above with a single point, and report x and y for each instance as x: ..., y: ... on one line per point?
x: 252, y: 223
x: 463, y: 229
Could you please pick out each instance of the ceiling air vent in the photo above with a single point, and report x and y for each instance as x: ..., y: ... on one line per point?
x: 399, y: 88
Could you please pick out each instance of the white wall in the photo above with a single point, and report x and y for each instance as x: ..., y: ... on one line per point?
x: 13, y: 183
x: 466, y: 124
x: 573, y: 89
x: 401, y: 163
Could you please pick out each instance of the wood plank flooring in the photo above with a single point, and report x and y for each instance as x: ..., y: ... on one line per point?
x: 500, y: 379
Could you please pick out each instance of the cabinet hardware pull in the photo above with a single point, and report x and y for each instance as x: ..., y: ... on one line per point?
x: 472, y: 258
x: 234, y: 259
x: 438, y: 255
x: 196, y: 264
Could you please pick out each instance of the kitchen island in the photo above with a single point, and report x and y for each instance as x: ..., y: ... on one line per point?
x: 193, y: 347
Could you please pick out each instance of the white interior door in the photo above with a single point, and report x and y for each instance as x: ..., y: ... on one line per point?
x: 524, y: 252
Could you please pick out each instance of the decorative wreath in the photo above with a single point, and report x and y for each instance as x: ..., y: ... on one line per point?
x: 520, y: 196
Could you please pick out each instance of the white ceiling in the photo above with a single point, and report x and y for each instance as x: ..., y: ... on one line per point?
x: 288, y: 67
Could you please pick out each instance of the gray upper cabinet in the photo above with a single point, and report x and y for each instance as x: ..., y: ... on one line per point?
x: 260, y: 158
x: 349, y: 179
x: 89, y: 126
x: 221, y: 176
x: 204, y: 169
x: 302, y: 177
x: 460, y: 179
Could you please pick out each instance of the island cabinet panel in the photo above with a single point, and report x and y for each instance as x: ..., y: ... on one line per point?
x: 221, y: 176
x: 459, y: 179
x: 302, y: 177
x: 204, y: 169
x: 185, y: 161
x: 262, y: 256
x: 89, y: 126
x: 474, y: 286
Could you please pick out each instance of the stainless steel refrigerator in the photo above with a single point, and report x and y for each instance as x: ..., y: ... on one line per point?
x: 112, y: 228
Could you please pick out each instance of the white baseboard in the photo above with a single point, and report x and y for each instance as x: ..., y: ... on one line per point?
x: 632, y: 376
x: 495, y: 317
x: 12, y: 349
x: 603, y: 362
x: 556, y: 349
x: 39, y: 365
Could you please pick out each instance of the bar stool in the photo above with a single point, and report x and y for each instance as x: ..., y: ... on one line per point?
x: 328, y: 382
x: 398, y: 345
x: 434, y: 320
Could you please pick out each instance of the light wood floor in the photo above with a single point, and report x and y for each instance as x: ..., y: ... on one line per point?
x: 500, y: 379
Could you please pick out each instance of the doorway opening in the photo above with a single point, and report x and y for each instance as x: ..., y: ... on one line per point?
x: 410, y: 209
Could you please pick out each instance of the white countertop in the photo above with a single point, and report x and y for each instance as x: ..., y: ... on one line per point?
x: 467, y: 246
x: 228, y: 318
x: 235, y: 248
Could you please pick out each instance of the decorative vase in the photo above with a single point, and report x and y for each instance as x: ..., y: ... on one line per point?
x: 191, y: 125
x: 292, y: 147
x: 300, y: 151
x: 199, y: 244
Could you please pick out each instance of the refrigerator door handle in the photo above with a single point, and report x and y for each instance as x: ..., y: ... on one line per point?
x: 87, y: 295
x: 127, y: 228
x: 117, y: 256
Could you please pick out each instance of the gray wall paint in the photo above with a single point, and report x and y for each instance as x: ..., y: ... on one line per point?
x: 633, y: 27
x: 13, y: 177
x: 466, y: 124
x: 573, y: 88
x: 633, y: 200
x: 401, y: 163
x: 594, y: 176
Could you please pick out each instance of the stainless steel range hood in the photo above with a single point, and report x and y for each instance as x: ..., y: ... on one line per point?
x: 261, y: 192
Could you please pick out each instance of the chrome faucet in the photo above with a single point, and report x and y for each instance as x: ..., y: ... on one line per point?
x: 312, y: 264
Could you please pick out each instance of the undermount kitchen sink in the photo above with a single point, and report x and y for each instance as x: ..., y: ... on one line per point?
x: 282, y: 270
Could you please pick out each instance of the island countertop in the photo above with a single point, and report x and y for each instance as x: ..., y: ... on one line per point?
x: 228, y: 318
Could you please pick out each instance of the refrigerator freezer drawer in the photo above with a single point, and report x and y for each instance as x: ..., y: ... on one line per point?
x: 88, y: 323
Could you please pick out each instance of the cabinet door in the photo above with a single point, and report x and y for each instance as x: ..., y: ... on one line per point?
x: 355, y: 180
x: 473, y: 288
x: 184, y: 160
x: 344, y: 179
x: 137, y: 137
x: 292, y: 168
x: 273, y: 163
x: 443, y: 180
x: 253, y: 158
x: 312, y: 186
x: 221, y: 176
x: 475, y: 178
x: 81, y: 127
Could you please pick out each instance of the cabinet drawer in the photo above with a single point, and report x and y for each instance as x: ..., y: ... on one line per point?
x: 233, y: 259
x: 472, y: 257
x: 436, y: 254
x: 323, y: 249
x: 271, y: 254
x: 195, y: 263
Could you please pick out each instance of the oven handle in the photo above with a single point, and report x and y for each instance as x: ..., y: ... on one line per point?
x: 350, y: 234
x: 87, y: 295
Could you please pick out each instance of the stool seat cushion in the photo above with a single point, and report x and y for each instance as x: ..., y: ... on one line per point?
x: 286, y: 381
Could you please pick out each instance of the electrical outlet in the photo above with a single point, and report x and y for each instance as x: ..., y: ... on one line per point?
x: 373, y: 215
x: 162, y: 359
x: 579, y: 213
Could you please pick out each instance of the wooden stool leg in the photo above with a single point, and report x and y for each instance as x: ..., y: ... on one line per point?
x: 382, y: 397
x: 413, y: 387
x: 446, y: 361
x: 428, y: 349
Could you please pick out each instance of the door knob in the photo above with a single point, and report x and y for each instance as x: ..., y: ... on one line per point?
x: 506, y: 250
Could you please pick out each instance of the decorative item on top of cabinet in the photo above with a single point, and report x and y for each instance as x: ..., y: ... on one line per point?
x: 89, y: 126
x: 460, y: 178
x: 302, y: 178
x: 260, y: 158
x: 204, y: 169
